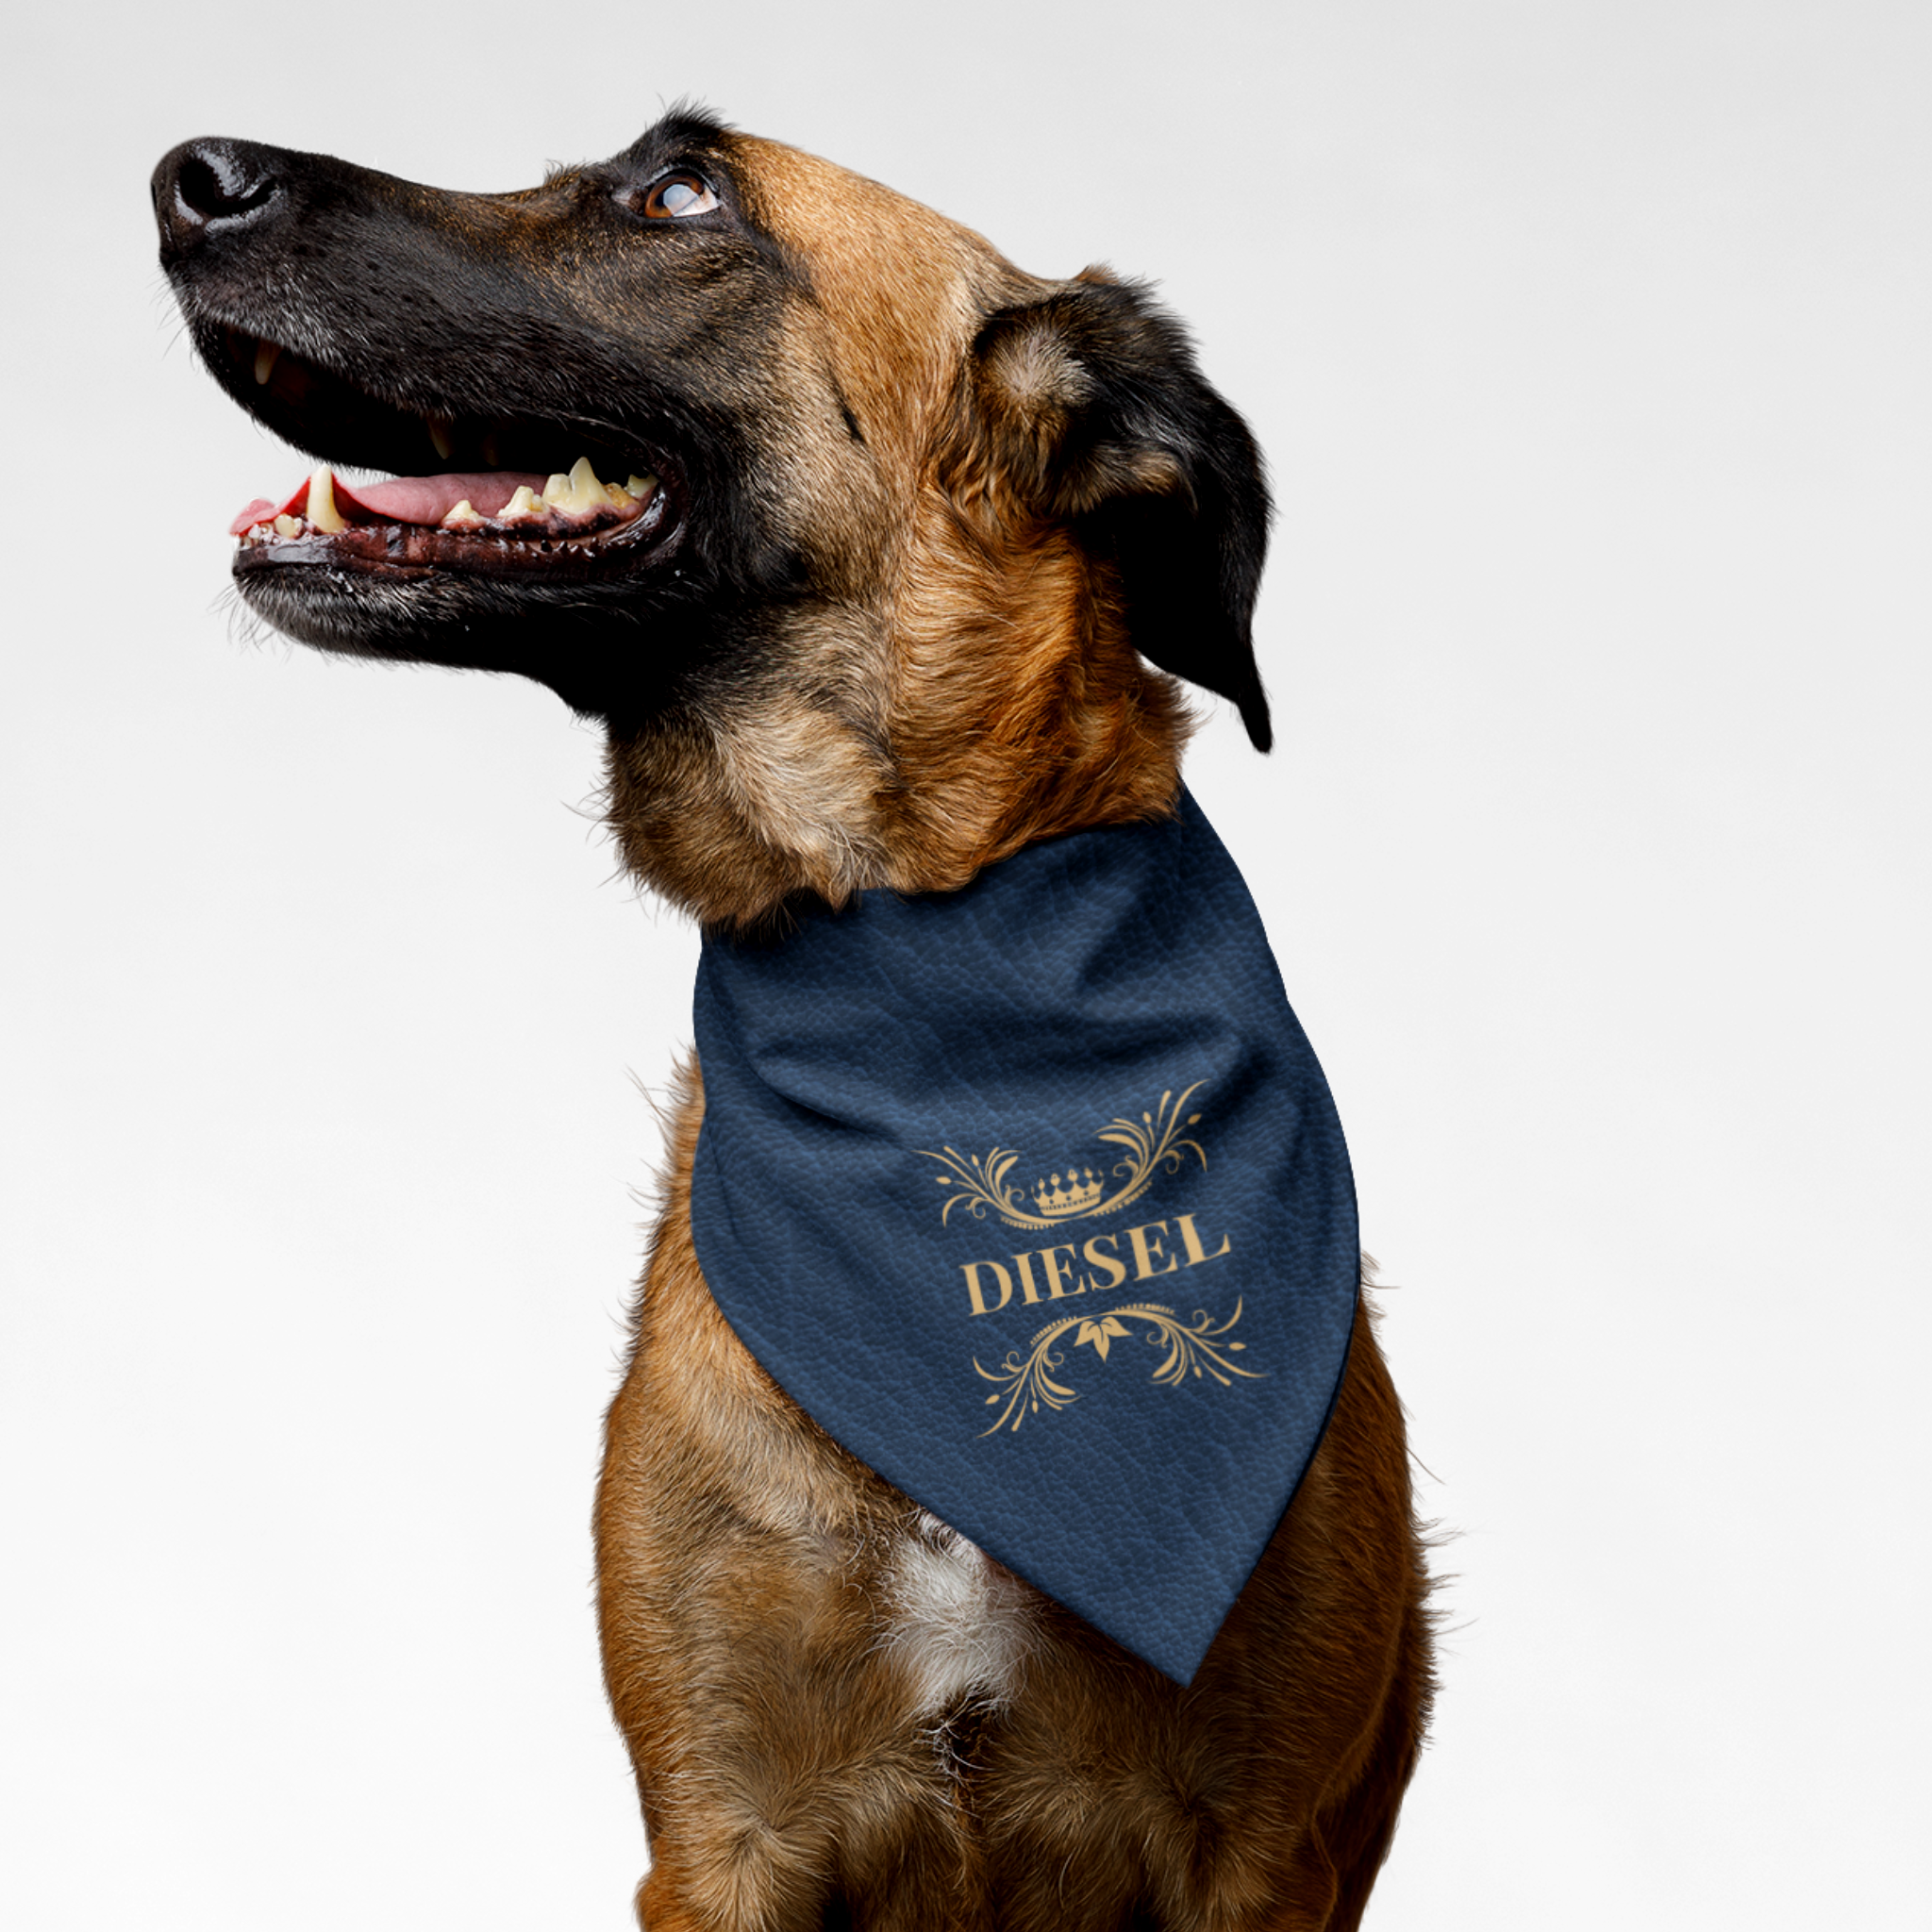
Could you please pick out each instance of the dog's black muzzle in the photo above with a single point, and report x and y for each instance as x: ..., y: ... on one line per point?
x: 387, y: 326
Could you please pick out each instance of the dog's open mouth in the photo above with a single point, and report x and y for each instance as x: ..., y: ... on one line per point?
x: 450, y: 518
x: 497, y: 515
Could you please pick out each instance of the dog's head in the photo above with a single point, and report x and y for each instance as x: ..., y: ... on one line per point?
x: 854, y: 536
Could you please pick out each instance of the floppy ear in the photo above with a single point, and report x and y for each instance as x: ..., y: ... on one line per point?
x: 1090, y: 409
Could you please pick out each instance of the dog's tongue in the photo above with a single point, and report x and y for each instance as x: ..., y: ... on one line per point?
x: 430, y: 499
x: 424, y: 500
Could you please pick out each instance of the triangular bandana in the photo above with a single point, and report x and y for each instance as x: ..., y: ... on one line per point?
x: 1033, y: 1196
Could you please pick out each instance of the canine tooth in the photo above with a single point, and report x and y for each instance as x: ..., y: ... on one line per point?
x: 265, y: 354
x: 490, y: 454
x: 466, y: 512
x: 322, y: 503
x: 440, y: 439
x: 288, y: 526
x: 578, y: 491
x: 586, y: 492
x: 524, y: 503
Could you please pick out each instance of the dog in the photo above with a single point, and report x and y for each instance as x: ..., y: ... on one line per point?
x: 878, y: 560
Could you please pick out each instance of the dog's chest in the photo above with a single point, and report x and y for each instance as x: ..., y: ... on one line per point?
x: 957, y: 1623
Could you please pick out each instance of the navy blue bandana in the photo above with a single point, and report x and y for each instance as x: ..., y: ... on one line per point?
x: 1032, y: 1195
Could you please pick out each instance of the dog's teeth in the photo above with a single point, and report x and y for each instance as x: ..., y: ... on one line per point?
x: 440, y: 439
x: 628, y: 496
x: 578, y: 491
x: 464, y: 513
x: 322, y: 503
x: 524, y: 503
x: 288, y: 526
x: 265, y: 354
x: 586, y: 492
x: 490, y: 452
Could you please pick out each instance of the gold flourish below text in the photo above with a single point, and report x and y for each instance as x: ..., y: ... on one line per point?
x: 1026, y: 1381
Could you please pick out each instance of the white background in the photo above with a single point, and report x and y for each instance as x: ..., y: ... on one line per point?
x: 1589, y: 345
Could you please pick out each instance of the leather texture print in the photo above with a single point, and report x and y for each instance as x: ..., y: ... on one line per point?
x: 1034, y: 1197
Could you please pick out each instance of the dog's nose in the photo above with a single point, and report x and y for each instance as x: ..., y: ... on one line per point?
x: 213, y: 187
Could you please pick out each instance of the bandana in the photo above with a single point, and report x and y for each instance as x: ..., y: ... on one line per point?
x: 1032, y: 1195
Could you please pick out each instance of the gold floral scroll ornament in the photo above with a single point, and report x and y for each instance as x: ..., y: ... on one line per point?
x: 1153, y: 1142
x: 1026, y: 1381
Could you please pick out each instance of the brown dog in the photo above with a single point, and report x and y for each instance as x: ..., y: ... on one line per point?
x: 901, y: 531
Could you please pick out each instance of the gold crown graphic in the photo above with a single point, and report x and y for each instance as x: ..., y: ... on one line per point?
x: 1151, y: 1145
x: 1081, y: 1191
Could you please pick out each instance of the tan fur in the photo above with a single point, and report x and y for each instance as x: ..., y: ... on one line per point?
x: 970, y: 689
x: 786, y: 1753
x: 925, y: 526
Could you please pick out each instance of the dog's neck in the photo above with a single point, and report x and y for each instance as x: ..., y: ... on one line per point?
x: 906, y: 749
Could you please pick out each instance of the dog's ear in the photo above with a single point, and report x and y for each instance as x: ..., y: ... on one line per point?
x: 1087, y: 406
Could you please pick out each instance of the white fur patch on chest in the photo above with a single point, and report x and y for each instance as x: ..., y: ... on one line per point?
x: 957, y: 1622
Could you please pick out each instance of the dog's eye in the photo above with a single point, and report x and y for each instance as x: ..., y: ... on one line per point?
x: 676, y: 195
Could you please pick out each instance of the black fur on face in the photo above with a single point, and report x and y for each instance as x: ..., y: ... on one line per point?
x: 776, y: 352
x: 529, y: 329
